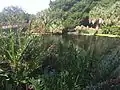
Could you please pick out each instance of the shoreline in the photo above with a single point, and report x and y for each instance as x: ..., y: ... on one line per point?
x: 102, y: 35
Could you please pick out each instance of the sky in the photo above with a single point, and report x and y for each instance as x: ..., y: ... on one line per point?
x: 30, y: 6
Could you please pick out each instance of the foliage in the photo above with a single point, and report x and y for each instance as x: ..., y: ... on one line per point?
x: 13, y: 69
x: 64, y: 14
x: 52, y: 63
x: 108, y: 10
x: 115, y: 30
x: 62, y: 62
x: 13, y: 15
x: 71, y: 11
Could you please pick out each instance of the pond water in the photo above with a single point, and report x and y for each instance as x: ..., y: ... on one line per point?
x: 104, y: 48
x: 85, y: 42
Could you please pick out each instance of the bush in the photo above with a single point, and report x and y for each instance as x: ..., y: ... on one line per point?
x: 111, y: 30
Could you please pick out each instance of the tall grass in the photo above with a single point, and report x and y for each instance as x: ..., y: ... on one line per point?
x: 56, y: 63
x: 13, y: 69
x: 78, y: 63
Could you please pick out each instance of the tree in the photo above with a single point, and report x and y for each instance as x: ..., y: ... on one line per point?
x: 71, y: 12
x: 13, y: 15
